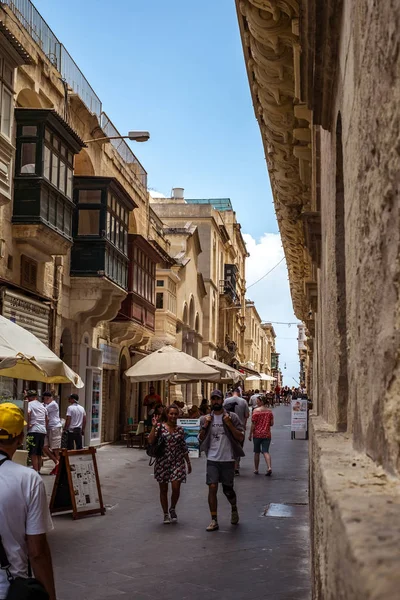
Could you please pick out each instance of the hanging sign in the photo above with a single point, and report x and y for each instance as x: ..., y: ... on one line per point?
x: 191, y: 427
x: 77, y: 485
x: 299, y: 415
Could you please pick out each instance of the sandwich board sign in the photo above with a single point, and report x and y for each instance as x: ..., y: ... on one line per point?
x: 77, y: 485
x: 191, y: 427
x: 299, y: 416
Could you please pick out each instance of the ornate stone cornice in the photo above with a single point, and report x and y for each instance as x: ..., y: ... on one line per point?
x: 269, y: 30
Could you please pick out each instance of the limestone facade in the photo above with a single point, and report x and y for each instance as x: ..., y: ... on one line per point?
x: 260, y: 344
x: 222, y: 267
x: 325, y: 82
x: 76, y: 265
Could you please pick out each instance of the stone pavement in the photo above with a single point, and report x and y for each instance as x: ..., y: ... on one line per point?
x: 129, y: 553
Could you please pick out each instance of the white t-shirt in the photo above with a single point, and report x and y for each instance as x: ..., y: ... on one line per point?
x: 37, y: 417
x: 23, y: 511
x: 76, y: 413
x: 53, y: 413
x: 220, y: 447
x: 253, y: 400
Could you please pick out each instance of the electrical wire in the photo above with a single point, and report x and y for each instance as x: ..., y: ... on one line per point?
x: 264, y: 276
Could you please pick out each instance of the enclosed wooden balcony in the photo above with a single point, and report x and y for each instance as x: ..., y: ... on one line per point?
x: 43, y: 205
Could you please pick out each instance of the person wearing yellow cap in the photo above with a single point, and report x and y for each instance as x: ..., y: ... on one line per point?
x: 24, y: 513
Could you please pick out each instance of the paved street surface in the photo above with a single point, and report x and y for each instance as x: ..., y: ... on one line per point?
x: 129, y: 553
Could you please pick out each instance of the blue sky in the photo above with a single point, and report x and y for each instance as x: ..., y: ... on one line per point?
x: 176, y: 69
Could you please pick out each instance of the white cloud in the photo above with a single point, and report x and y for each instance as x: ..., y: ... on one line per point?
x: 272, y: 297
x: 155, y: 194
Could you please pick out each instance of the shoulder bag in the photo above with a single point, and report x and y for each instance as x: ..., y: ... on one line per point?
x: 21, y: 588
x: 157, y: 448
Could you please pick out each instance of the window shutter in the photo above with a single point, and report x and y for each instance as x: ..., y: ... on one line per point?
x: 28, y: 272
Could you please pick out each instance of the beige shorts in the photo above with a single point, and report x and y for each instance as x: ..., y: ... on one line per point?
x: 53, y: 438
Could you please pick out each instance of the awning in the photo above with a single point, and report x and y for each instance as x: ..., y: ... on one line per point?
x: 248, y: 370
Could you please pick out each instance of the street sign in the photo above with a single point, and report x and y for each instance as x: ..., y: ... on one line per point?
x: 77, y: 485
x: 299, y: 415
x: 191, y: 427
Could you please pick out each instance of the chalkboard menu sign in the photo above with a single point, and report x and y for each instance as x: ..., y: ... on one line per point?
x: 77, y: 485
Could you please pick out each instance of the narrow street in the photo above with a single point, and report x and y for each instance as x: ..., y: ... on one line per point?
x: 130, y: 553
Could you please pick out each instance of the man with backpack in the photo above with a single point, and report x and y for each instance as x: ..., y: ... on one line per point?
x: 239, y: 406
x: 24, y: 516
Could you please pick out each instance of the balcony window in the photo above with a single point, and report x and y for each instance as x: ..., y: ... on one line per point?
x: 44, y: 169
x: 100, y: 229
x: 117, y: 223
x: 89, y: 222
x: 28, y: 157
x: 160, y: 300
x: 6, y: 97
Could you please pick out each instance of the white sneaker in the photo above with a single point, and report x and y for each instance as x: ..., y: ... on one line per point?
x: 167, y: 520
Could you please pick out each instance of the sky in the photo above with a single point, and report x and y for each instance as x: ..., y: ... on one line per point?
x: 176, y: 69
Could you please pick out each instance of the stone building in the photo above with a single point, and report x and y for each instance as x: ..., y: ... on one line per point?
x: 180, y: 296
x: 325, y: 84
x: 222, y: 266
x: 260, y: 343
x: 76, y: 264
x: 303, y: 357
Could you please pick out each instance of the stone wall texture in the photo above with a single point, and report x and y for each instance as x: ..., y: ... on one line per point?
x: 355, y: 440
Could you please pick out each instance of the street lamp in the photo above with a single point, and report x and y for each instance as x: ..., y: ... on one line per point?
x: 134, y: 136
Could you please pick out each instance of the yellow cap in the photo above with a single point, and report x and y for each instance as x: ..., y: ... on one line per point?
x: 11, y: 420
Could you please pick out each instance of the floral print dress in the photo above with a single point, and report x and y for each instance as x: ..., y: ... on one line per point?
x: 171, y: 466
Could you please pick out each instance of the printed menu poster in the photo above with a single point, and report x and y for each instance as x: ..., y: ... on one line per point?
x: 191, y: 428
x: 299, y: 415
x: 84, y: 482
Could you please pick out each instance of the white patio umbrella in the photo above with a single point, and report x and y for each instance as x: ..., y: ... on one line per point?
x: 170, y: 364
x: 24, y: 356
x: 263, y: 377
x: 227, y: 372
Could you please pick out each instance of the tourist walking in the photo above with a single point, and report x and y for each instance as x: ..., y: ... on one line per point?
x: 239, y: 406
x: 24, y: 512
x: 253, y: 399
x: 170, y: 468
x: 220, y: 438
x: 37, y: 429
x: 52, y: 442
x: 262, y: 420
x: 75, y: 423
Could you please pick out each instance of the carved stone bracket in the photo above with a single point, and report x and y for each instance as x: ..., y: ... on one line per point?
x: 129, y: 333
x: 312, y: 235
x: 270, y: 36
x: 94, y: 299
x: 311, y: 288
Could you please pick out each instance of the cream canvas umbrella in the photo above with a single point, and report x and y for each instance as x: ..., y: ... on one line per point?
x: 227, y: 372
x: 24, y: 356
x: 170, y: 364
x: 263, y: 377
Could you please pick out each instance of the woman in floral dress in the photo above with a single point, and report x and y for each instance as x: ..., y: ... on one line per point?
x: 170, y: 467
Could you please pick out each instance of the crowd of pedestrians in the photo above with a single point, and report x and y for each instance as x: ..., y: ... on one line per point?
x: 223, y: 425
x: 45, y: 428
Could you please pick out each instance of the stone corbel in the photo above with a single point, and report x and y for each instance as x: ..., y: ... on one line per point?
x: 310, y: 324
x: 311, y: 289
x: 94, y: 299
x: 312, y: 235
x: 129, y: 332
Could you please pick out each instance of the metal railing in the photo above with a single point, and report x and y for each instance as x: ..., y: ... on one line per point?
x: 226, y: 288
x: 37, y: 28
x: 40, y: 32
x: 123, y: 149
x: 77, y: 81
